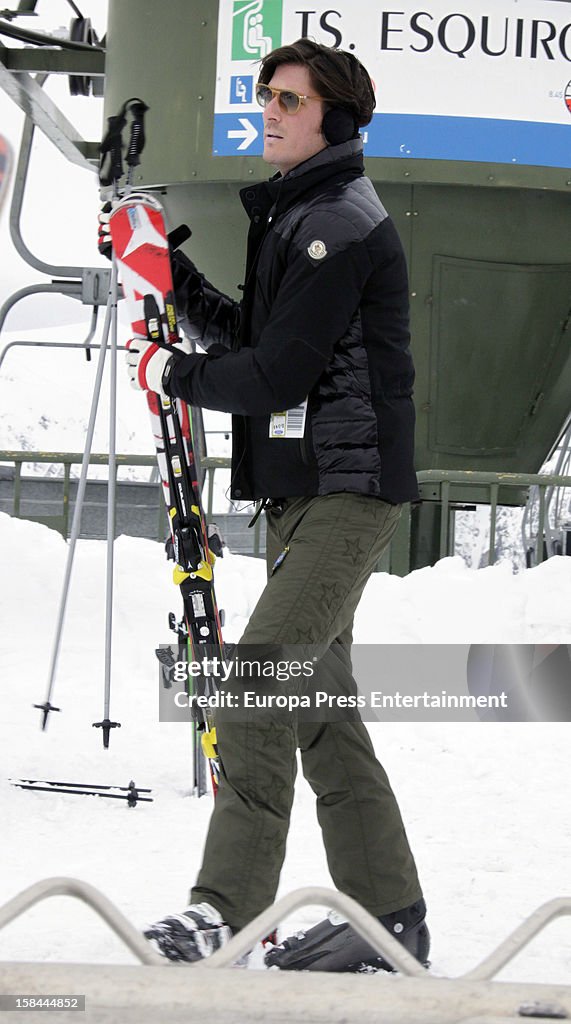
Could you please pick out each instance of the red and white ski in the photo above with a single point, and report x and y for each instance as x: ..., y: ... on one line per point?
x: 141, y: 249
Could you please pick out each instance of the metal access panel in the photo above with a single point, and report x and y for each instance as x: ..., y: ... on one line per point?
x: 469, y: 149
x: 523, y: 308
x: 491, y: 327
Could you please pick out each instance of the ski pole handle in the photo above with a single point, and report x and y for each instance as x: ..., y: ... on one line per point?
x: 111, y: 165
x: 137, y: 140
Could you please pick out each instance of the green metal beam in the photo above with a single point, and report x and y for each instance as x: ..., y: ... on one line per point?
x: 100, y: 459
x: 85, y: 63
x: 467, y: 476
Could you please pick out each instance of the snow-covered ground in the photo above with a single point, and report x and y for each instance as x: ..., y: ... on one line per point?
x: 486, y: 804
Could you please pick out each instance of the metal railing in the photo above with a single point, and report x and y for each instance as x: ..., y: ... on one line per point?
x: 155, y: 989
x: 234, y: 525
x: 367, y: 926
x: 448, y: 487
x: 60, y: 519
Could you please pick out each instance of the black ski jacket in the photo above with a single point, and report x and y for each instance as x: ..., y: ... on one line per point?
x: 323, y: 322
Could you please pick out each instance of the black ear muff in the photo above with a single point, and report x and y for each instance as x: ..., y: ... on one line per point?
x: 339, y: 125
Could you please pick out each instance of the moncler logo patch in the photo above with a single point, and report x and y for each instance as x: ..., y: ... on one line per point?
x: 317, y: 250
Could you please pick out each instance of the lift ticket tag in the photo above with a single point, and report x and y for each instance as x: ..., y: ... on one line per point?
x: 290, y: 423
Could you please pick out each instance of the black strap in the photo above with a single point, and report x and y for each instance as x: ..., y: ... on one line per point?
x: 111, y: 151
x: 275, y: 505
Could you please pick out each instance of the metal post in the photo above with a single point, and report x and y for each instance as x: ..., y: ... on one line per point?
x: 494, y: 490
x: 17, y: 488
x: 540, y: 526
x: 445, y: 511
x: 66, y: 479
x: 106, y: 724
x: 209, y: 510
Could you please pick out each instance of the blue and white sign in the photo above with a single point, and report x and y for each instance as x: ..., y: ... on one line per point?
x: 236, y: 134
x: 241, y: 89
x: 453, y: 81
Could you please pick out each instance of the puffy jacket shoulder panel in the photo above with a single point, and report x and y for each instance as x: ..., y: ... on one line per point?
x: 343, y: 216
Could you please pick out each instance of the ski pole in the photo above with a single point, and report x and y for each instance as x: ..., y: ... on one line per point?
x: 106, y: 724
x: 111, y: 152
x: 136, y: 143
x: 47, y: 706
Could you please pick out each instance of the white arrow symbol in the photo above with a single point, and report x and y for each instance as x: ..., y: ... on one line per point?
x: 247, y: 133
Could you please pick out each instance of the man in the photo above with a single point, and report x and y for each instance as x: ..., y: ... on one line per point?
x: 315, y: 366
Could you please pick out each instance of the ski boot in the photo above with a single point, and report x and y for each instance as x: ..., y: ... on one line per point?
x: 193, y: 935
x: 332, y: 945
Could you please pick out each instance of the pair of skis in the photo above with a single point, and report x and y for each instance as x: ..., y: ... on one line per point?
x: 141, y: 248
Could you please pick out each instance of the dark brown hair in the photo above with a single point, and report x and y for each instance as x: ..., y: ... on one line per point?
x: 337, y: 76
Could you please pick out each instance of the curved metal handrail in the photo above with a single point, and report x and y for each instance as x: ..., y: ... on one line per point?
x: 20, y: 180
x: 73, y: 290
x: 364, y: 923
x: 519, y: 938
x: 63, y: 886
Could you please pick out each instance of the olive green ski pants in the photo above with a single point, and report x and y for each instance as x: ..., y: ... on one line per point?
x: 330, y: 545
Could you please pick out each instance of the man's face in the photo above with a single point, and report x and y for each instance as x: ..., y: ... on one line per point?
x: 289, y: 139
